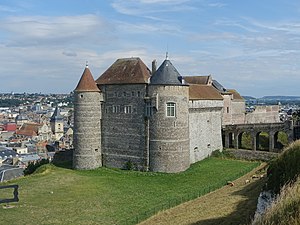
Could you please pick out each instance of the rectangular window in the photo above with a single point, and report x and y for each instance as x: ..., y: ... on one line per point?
x: 127, y: 109
x: 116, y: 108
x: 148, y: 110
x: 171, y: 109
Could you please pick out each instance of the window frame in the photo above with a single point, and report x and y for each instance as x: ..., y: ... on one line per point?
x: 170, y: 109
x: 128, y: 109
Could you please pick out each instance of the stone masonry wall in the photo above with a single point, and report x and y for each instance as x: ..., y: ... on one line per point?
x: 87, y: 133
x: 204, y: 128
x: 264, y: 114
x: 123, y: 125
x: 169, y: 136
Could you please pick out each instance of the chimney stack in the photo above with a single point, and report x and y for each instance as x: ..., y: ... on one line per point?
x: 154, y: 66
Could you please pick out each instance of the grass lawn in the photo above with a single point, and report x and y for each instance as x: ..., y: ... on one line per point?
x: 229, y: 205
x: 108, y: 196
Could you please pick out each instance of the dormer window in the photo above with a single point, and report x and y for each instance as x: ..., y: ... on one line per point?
x: 171, y: 109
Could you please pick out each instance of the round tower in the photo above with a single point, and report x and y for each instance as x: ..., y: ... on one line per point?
x: 87, y: 123
x: 169, y: 123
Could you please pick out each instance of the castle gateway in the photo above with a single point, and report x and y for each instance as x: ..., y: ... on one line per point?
x: 151, y: 120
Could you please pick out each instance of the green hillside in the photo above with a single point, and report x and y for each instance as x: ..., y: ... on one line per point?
x: 110, y: 196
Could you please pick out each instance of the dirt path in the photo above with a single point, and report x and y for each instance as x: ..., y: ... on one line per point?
x: 230, y: 205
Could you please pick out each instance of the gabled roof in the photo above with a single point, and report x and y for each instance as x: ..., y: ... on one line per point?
x: 205, y: 80
x: 125, y: 71
x: 203, y: 92
x: 218, y: 86
x: 86, y: 82
x: 236, y: 95
x: 166, y: 74
x: 56, y: 116
x: 28, y: 129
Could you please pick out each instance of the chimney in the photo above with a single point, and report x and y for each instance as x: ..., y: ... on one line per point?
x: 154, y: 66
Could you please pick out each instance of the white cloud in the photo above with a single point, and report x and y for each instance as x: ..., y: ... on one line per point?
x: 41, y: 30
x: 143, y: 8
x: 217, y: 4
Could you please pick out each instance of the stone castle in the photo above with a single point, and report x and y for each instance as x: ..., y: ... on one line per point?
x: 155, y: 120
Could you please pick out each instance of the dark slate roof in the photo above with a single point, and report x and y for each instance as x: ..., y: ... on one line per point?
x: 166, y: 74
x: 56, y: 116
x: 203, y: 92
x: 218, y: 86
x: 21, y: 117
x: 87, y: 82
x: 125, y: 71
x: 7, y: 153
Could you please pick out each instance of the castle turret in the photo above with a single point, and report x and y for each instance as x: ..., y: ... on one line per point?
x: 57, y: 124
x: 169, y: 122
x: 87, y: 123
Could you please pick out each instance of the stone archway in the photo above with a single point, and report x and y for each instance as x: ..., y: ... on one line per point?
x: 280, y: 140
x: 262, y: 141
x: 245, y: 140
x: 230, y: 140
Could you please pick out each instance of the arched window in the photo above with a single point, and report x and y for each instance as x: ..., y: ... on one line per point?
x: 171, y: 109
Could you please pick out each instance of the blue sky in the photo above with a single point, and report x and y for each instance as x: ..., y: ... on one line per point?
x: 252, y: 46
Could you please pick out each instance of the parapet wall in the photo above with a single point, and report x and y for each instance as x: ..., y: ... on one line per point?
x: 263, y: 114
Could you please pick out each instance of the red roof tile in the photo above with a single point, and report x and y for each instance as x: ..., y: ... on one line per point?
x: 198, y: 79
x: 203, y: 92
x: 28, y: 129
x: 236, y: 95
x: 87, y: 82
x: 125, y: 71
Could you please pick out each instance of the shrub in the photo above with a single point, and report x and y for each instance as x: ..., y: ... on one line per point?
x: 285, y: 210
x: 222, y: 154
x: 32, y: 166
x: 129, y: 165
x: 285, y: 168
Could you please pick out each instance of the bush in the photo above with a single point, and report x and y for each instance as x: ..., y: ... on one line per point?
x: 285, y: 168
x: 222, y: 154
x: 32, y: 166
x: 129, y: 166
x: 285, y: 210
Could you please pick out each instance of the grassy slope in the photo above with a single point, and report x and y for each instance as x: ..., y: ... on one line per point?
x: 106, y: 196
x: 285, y: 210
x: 226, y: 206
x: 284, y: 177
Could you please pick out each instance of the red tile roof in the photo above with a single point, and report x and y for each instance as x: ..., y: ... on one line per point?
x: 198, y: 79
x: 203, y: 92
x: 125, y: 71
x: 29, y: 129
x: 87, y: 82
x: 236, y: 95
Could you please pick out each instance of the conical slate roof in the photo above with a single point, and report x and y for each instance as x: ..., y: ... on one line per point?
x: 166, y: 74
x: 87, y: 82
x: 56, y: 116
x: 125, y: 71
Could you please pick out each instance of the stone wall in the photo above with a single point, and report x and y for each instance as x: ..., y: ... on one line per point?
x: 123, y: 125
x: 264, y: 114
x: 234, y: 111
x: 169, y: 136
x: 204, y: 128
x: 252, y: 155
x: 87, y: 130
